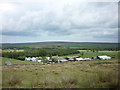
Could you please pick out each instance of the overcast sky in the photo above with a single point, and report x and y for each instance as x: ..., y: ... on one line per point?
x: 63, y: 20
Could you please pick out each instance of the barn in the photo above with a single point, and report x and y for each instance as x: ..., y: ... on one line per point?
x: 8, y: 63
x: 103, y: 57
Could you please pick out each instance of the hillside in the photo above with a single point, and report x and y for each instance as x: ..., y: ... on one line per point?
x: 61, y: 43
x: 91, y: 74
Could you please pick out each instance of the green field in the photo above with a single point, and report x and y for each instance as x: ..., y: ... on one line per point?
x: 14, y: 61
x: 93, y: 54
x: 85, y: 55
x: 63, y: 45
x: 82, y: 74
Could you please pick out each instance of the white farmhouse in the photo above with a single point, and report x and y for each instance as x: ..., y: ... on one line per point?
x: 33, y: 59
x: 63, y: 60
x: 27, y: 59
x: 87, y: 59
x: 48, y: 58
x: 39, y: 61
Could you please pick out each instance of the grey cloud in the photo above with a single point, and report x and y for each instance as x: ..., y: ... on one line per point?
x: 61, y: 20
x: 18, y: 33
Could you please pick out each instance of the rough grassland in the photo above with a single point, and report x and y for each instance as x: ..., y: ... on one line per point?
x: 84, y: 74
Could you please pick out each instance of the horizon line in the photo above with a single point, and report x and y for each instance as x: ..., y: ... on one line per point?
x: 58, y: 41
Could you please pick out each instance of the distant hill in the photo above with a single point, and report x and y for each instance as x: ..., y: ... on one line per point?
x: 56, y: 43
x: 59, y: 44
x: 62, y: 45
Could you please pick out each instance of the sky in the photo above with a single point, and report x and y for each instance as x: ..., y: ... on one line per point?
x: 63, y: 20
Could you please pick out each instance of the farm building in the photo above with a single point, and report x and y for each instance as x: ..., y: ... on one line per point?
x: 8, y: 63
x: 39, y: 61
x: 83, y: 59
x: 70, y: 58
x: 54, y: 57
x: 27, y: 59
x: 33, y: 59
x: 103, y: 57
x: 75, y: 56
x: 87, y: 59
x: 93, y: 57
x: 48, y: 58
x: 61, y: 59
x: 79, y: 59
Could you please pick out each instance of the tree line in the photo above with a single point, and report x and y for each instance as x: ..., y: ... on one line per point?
x: 37, y: 53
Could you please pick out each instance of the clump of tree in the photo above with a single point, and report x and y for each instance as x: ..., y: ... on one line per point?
x: 38, y: 52
x: 55, y: 60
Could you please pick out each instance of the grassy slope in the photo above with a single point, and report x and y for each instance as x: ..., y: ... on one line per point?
x: 14, y: 61
x: 83, y: 74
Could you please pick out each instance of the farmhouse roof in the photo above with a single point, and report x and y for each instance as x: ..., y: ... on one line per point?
x: 8, y: 63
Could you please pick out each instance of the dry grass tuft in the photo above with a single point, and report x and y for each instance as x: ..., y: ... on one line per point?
x: 15, y: 80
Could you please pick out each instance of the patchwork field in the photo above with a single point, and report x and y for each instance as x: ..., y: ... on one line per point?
x: 82, y: 74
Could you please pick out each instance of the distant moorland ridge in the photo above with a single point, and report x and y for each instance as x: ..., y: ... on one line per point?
x: 60, y: 43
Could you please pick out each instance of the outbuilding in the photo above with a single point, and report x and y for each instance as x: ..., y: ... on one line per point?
x: 8, y: 63
x: 103, y: 57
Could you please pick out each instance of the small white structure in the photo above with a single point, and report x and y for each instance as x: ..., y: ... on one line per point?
x: 87, y: 59
x: 70, y: 58
x: 33, y: 59
x: 27, y: 59
x: 48, y: 58
x: 63, y: 60
x: 58, y: 61
x: 55, y: 57
x: 39, y: 57
x: 80, y: 59
x: 104, y: 57
x: 8, y: 63
x: 39, y: 61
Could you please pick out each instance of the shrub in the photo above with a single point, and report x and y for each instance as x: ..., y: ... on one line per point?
x: 55, y: 60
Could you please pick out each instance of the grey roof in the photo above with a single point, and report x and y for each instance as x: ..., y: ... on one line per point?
x: 54, y: 57
x: 8, y: 63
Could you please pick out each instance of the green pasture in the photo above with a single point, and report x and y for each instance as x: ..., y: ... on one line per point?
x: 15, y: 61
x: 94, y: 54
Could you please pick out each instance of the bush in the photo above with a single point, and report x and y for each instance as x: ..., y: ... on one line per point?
x: 21, y: 58
x: 55, y: 60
